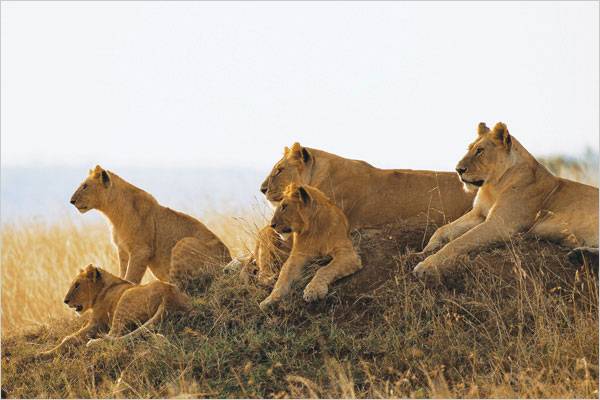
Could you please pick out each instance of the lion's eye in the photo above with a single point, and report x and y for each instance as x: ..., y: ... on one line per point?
x: 77, y: 285
x: 278, y: 171
x: 283, y: 207
x: 479, y: 151
x: 84, y: 186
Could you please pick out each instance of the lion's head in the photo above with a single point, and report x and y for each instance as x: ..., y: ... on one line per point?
x: 293, y: 212
x: 294, y: 167
x: 487, y: 157
x: 84, y: 289
x: 93, y: 191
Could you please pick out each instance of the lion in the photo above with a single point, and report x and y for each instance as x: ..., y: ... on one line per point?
x: 515, y: 194
x: 369, y: 196
x: 175, y: 246
x: 319, y: 229
x: 117, y: 304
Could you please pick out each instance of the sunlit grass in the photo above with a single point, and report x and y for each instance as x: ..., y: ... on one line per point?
x: 495, y: 336
x: 39, y: 261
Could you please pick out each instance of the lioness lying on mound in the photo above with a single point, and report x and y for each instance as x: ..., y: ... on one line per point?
x: 172, y: 244
x: 368, y: 196
x: 117, y: 304
x: 319, y: 228
x: 515, y: 193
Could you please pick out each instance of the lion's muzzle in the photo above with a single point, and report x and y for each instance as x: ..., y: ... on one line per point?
x: 76, y: 307
x: 80, y: 207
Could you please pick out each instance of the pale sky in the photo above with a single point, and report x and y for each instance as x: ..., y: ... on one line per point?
x: 224, y: 84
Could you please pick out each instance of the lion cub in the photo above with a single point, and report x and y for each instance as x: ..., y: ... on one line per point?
x: 117, y: 304
x: 319, y: 228
x: 172, y: 244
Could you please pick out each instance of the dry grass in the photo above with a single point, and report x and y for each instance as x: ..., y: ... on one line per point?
x: 39, y: 261
x: 515, y: 321
x: 38, y: 264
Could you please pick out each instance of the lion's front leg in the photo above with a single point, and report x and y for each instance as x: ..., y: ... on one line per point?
x: 87, y: 331
x: 290, y: 272
x: 123, y: 261
x: 345, y: 262
x: 453, y: 230
x: 484, y: 234
x: 138, y: 263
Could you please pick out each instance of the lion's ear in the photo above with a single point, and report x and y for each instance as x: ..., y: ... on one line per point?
x: 501, y: 134
x: 93, y: 273
x: 305, y: 155
x: 304, y: 195
x: 95, y: 173
x: 482, y: 129
x: 300, y: 153
x: 105, y: 178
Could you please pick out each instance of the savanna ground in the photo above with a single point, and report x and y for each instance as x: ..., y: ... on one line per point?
x: 517, y: 320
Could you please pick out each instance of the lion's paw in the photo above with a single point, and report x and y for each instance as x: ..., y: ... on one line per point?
x: 315, y: 291
x: 267, y: 303
x: 424, y: 269
x: 267, y: 280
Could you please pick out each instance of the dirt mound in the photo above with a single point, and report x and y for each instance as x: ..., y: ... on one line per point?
x: 389, y: 254
x: 391, y: 251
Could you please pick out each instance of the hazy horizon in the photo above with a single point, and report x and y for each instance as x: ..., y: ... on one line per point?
x: 400, y: 85
x: 195, y: 101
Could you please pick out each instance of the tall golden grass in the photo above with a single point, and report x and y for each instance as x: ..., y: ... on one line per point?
x: 39, y: 261
x: 496, y: 337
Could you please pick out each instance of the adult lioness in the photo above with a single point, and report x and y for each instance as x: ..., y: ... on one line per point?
x: 515, y: 193
x: 172, y: 244
x: 117, y: 304
x: 319, y: 229
x: 368, y: 196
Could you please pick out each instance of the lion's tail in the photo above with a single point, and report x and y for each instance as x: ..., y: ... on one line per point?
x: 157, y: 316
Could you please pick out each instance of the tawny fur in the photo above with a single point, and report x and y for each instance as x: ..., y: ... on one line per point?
x: 515, y: 193
x: 175, y: 246
x: 368, y: 196
x: 270, y: 252
x: 319, y: 228
x: 117, y: 304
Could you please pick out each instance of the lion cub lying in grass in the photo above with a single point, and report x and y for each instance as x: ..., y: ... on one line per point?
x: 117, y: 304
x: 319, y: 228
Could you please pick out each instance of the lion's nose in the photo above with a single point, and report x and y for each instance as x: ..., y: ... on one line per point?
x: 461, y: 170
x: 273, y: 225
x: 66, y: 301
x: 263, y: 189
x: 72, y: 201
